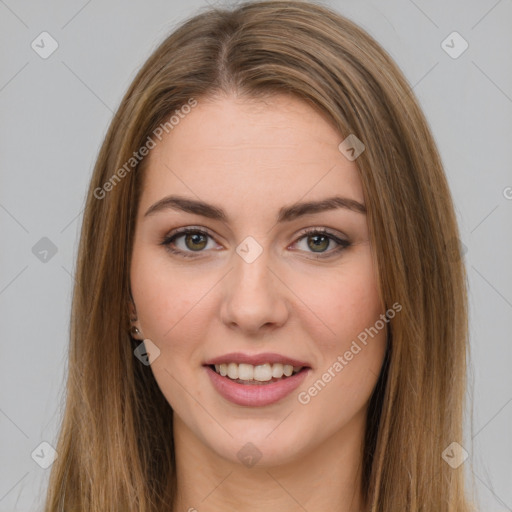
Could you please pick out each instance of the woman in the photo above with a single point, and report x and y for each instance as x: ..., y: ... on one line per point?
x: 270, y: 310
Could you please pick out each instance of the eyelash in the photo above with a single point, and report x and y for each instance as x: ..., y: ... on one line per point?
x: 342, y: 244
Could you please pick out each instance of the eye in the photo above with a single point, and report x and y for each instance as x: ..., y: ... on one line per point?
x: 319, y: 240
x: 195, y: 240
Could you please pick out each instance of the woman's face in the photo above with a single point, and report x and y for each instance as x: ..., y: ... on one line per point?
x: 253, y: 283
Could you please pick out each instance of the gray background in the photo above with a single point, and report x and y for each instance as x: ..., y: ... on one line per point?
x: 55, y: 112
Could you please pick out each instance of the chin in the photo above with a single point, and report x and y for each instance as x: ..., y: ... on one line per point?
x: 259, y: 449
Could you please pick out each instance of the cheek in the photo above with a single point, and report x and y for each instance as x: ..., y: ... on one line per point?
x: 163, y: 296
x: 351, y: 350
x: 342, y: 304
x: 168, y: 303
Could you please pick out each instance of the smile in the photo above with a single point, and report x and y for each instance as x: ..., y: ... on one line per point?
x: 255, y: 374
x: 253, y: 393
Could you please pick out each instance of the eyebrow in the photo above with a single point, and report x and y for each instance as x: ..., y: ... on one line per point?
x: 285, y: 214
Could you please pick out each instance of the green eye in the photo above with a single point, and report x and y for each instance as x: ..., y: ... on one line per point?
x: 196, y: 244
x: 318, y: 240
x: 196, y: 240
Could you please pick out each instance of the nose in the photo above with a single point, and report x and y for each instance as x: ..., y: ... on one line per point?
x: 254, y: 298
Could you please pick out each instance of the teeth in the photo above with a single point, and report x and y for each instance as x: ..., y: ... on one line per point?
x: 245, y: 371
x: 277, y: 370
x: 233, y: 371
x: 260, y: 373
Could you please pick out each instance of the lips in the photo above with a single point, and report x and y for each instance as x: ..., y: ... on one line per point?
x: 256, y: 394
x: 261, y: 390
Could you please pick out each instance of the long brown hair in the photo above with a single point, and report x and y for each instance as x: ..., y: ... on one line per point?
x: 115, y: 448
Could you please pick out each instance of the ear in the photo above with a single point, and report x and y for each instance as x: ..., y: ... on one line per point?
x: 133, y: 320
x: 132, y: 311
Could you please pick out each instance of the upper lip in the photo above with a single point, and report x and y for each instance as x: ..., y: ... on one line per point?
x: 255, y: 359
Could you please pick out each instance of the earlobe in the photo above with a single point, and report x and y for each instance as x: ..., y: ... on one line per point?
x: 135, y: 333
x: 134, y: 330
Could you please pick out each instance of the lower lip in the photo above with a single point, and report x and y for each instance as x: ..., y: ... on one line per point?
x: 255, y: 395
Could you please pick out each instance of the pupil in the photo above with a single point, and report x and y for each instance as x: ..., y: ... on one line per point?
x: 316, y: 237
x: 195, y: 240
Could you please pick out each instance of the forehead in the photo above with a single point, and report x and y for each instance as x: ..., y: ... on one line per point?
x: 251, y: 152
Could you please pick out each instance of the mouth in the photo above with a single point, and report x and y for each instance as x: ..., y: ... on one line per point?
x: 259, y: 369
x: 255, y: 380
x: 261, y: 374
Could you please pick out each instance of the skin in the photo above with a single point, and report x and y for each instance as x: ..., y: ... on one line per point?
x: 251, y: 158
